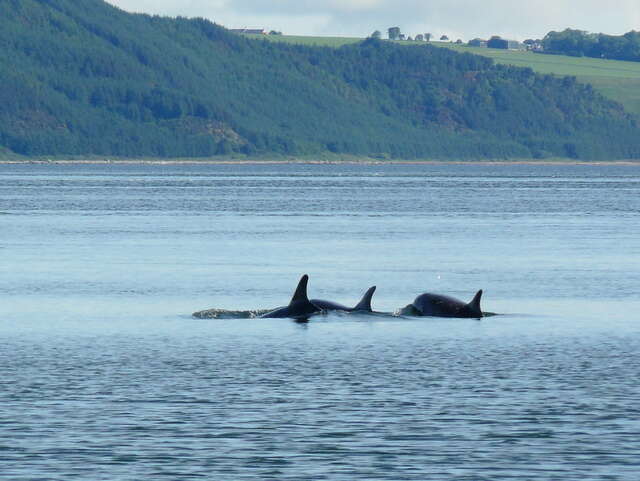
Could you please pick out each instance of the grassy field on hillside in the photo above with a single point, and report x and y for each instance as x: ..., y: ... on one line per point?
x: 303, y: 40
x: 617, y: 80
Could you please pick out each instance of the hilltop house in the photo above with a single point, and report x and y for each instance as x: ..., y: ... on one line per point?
x: 534, y: 45
x: 503, y: 43
x: 477, y: 42
x: 254, y: 31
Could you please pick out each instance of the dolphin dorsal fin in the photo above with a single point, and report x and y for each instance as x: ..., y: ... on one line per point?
x: 474, y: 305
x: 365, y: 302
x: 301, y: 291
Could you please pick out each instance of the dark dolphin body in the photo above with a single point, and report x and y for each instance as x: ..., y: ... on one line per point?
x: 299, y: 307
x: 436, y: 305
x: 363, y: 306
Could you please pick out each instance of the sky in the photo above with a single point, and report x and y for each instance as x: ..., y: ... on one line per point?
x: 465, y: 19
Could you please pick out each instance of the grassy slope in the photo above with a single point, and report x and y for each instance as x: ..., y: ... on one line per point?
x: 304, y: 40
x: 617, y: 80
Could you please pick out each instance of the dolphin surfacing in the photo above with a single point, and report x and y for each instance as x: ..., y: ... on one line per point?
x: 437, y: 305
x: 363, y: 306
x: 299, y: 307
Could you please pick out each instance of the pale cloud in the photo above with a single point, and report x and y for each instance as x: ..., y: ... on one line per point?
x: 459, y: 19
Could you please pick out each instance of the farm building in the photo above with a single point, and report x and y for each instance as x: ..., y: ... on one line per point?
x: 477, y: 42
x: 503, y: 43
x: 254, y: 31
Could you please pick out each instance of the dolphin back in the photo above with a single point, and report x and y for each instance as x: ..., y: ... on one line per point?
x: 474, y: 306
x: 300, y: 295
x: 437, y: 305
x: 299, y: 307
x: 365, y: 302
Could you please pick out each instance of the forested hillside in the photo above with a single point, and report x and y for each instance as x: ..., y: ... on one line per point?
x: 84, y: 78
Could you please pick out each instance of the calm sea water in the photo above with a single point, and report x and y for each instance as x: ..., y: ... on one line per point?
x: 106, y: 376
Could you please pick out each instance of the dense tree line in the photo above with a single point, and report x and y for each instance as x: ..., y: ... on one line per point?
x: 579, y: 43
x: 85, y: 78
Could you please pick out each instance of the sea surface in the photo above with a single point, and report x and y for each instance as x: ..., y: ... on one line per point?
x: 105, y: 375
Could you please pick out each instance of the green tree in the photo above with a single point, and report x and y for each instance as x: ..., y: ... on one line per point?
x: 394, y: 33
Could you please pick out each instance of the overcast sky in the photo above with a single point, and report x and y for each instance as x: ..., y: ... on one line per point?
x: 466, y: 19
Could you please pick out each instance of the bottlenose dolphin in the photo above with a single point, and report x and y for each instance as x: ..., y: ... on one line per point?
x: 364, y: 305
x: 436, y: 305
x: 299, y: 307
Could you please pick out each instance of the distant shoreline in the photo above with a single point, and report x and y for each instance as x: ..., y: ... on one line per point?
x: 312, y: 162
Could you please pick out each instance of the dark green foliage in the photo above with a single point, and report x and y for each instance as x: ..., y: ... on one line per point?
x: 497, y: 42
x: 84, y: 78
x: 579, y: 43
